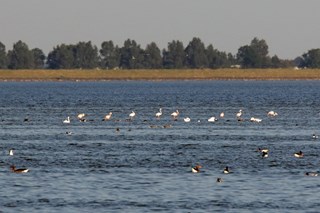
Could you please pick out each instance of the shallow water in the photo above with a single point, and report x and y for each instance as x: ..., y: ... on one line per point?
x: 143, y: 169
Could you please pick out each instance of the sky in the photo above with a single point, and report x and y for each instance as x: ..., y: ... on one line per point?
x: 290, y: 27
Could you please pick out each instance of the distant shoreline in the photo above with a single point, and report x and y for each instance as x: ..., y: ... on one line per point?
x: 159, y: 75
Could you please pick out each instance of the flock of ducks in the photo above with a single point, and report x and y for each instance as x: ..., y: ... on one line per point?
x: 264, y: 154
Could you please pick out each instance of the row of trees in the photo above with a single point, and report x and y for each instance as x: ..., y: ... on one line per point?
x: 84, y: 55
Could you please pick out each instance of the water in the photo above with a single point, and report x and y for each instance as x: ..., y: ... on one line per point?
x: 143, y: 169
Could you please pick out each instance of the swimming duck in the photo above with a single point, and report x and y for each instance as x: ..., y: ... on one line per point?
x: 314, y: 136
x: 226, y: 170
x: 196, y: 169
x: 219, y: 180
x: 13, y: 169
x: 262, y: 150
x: 264, y: 154
x: 311, y: 174
x: 298, y: 154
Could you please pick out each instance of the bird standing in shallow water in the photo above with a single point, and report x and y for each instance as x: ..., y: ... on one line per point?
x: 158, y: 114
x: 132, y: 115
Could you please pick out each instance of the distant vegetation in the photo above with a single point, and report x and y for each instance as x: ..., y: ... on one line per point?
x: 195, y: 55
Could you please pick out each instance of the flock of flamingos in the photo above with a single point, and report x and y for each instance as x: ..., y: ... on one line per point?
x: 264, y: 152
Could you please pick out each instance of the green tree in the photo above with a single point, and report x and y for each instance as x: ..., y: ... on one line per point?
x: 61, y: 57
x: 217, y: 59
x: 132, y: 55
x: 20, y: 57
x: 174, y: 57
x: 311, y: 59
x: 3, y: 57
x: 39, y: 58
x: 110, y: 55
x: 196, y: 54
x: 254, y: 55
x: 153, y: 59
x: 85, y: 55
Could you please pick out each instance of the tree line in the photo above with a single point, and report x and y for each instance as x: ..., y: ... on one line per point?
x: 85, y: 55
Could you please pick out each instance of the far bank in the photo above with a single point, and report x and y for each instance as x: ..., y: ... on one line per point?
x: 159, y: 74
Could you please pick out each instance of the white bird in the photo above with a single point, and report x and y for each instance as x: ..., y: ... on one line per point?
x: 272, y: 114
x: 212, y: 119
x: 107, y: 117
x: 175, y: 114
x: 187, y: 119
x: 239, y: 114
x: 132, y: 114
x: 81, y: 116
x: 221, y: 114
x: 158, y: 114
x: 11, y: 152
x: 67, y: 121
x: 257, y: 120
x: 314, y: 136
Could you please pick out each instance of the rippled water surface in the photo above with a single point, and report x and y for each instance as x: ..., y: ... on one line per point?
x: 145, y: 167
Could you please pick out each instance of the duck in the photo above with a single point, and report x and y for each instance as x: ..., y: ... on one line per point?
x: 314, y: 174
x: 132, y: 115
x: 212, y: 119
x: 272, y: 113
x: 187, y: 119
x: 67, y: 121
x: 196, y: 169
x: 107, y: 117
x: 264, y: 154
x: 158, y: 114
x: 226, y: 170
x: 298, y: 154
x: 262, y: 150
x: 222, y: 115
x: 314, y: 136
x: 11, y: 152
x: 13, y: 169
x: 257, y: 120
x: 219, y: 180
x: 68, y: 133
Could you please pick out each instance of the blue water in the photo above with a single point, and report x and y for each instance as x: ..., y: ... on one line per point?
x: 144, y: 169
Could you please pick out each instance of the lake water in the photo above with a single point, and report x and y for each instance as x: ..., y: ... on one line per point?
x: 144, y: 169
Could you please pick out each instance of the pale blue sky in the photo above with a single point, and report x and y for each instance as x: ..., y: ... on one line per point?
x: 290, y: 27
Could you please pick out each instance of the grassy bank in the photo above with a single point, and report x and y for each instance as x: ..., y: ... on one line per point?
x: 199, y: 74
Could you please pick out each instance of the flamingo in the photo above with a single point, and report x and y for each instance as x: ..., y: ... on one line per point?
x: 239, y: 114
x: 158, y: 114
x: 132, y: 114
x: 272, y: 114
x: 107, y: 117
x: 175, y: 114
x: 257, y: 120
x: 67, y: 121
x: 11, y: 152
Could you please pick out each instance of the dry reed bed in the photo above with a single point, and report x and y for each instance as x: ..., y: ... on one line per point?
x: 160, y: 74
